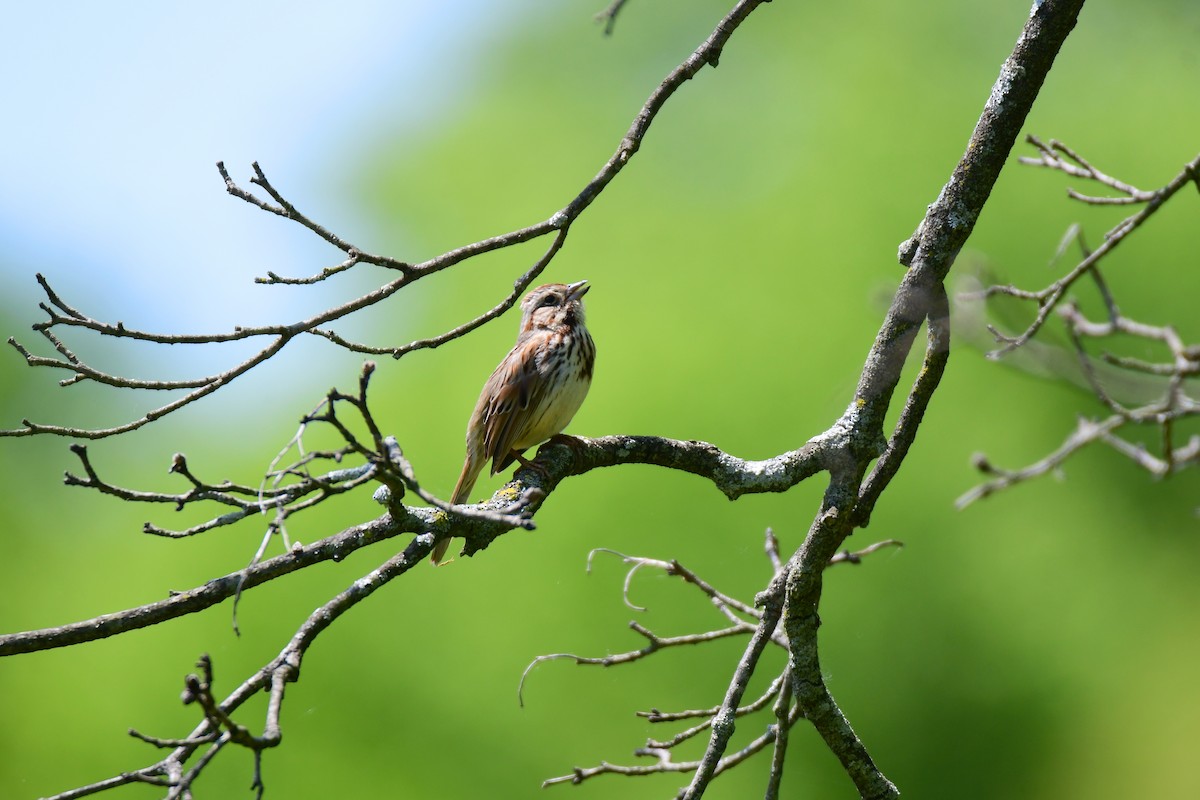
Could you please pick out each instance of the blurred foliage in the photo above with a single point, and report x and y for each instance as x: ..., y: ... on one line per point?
x: 1038, y: 645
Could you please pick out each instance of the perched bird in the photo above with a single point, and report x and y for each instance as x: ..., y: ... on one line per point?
x: 536, y: 389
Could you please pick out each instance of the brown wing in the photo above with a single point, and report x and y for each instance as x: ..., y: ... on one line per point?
x: 517, y: 392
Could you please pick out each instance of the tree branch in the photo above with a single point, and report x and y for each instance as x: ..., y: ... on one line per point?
x: 1049, y: 297
x: 67, y: 316
x: 1172, y: 402
x: 857, y: 437
x: 283, y: 669
x: 484, y: 523
x: 789, y: 615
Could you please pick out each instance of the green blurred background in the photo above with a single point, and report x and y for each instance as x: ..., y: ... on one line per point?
x: 1041, y: 644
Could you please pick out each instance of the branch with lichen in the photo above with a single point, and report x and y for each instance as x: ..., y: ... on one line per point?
x: 857, y: 451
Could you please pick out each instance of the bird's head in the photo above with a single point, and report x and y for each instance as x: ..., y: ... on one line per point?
x: 553, y: 305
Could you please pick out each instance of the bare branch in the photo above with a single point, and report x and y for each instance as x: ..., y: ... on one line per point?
x: 479, y: 524
x: 723, y: 721
x: 654, y: 715
x: 1085, y: 433
x: 673, y: 567
x: 771, y: 547
x: 286, y: 210
x: 773, y: 693
x: 930, y: 253
x: 327, y: 272
x: 784, y: 718
x: 653, y: 645
x: 508, y: 302
x: 710, y: 718
x: 1049, y: 297
x: 273, y: 677
x: 1057, y: 155
x: 1173, y: 401
x: 789, y: 606
x: 331, y: 548
x: 230, y: 494
x: 707, y: 53
x: 609, y: 15
x: 847, y: 557
x: 665, y: 764
x: 937, y: 353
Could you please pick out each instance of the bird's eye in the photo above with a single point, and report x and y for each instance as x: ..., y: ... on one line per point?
x: 548, y: 300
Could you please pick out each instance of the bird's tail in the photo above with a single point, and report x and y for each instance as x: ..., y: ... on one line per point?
x: 462, y: 490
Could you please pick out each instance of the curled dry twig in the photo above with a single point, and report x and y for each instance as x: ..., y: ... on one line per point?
x: 662, y: 750
x: 777, y: 695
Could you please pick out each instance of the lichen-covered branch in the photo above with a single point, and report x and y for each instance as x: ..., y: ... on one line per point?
x: 857, y: 438
x: 513, y: 505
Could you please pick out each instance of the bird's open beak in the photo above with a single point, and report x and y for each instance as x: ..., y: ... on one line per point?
x: 577, y: 290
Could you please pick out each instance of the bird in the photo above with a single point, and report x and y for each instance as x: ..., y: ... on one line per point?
x: 535, y: 391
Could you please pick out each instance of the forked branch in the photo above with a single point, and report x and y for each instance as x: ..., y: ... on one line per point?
x: 1048, y: 299
x: 63, y: 315
x: 1170, y: 382
x: 784, y: 615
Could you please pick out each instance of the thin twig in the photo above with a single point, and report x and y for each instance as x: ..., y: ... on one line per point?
x: 708, y: 53
x: 1059, y: 156
x: 1085, y: 433
x: 272, y: 677
x: 653, y: 645
x: 666, y: 765
x: 609, y: 15
x: 856, y: 557
x: 1049, y: 297
x: 783, y: 717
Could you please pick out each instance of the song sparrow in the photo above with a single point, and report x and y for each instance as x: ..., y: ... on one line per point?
x: 535, y: 391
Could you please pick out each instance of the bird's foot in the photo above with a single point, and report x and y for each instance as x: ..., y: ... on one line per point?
x: 575, y: 443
